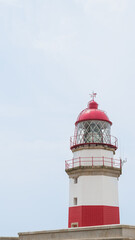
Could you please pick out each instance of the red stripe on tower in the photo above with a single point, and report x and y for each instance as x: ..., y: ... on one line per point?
x: 93, y: 215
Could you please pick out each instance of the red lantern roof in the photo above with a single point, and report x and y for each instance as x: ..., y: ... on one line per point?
x: 92, y: 113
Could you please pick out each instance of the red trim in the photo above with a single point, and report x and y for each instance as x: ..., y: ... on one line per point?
x: 104, y: 144
x: 93, y: 215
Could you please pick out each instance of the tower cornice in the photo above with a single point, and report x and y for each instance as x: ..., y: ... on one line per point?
x: 95, y: 170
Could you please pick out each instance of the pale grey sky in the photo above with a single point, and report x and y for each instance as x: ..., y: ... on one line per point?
x: 53, y: 54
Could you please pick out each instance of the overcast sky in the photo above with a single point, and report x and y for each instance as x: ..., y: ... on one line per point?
x: 53, y: 54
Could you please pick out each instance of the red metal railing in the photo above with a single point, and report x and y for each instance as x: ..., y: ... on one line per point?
x: 93, y: 161
x: 93, y: 139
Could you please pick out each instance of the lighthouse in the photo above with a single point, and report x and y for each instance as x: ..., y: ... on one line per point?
x: 93, y: 171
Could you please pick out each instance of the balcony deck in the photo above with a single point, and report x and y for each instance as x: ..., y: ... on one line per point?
x: 93, y: 162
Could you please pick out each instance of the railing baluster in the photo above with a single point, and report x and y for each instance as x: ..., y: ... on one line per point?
x: 72, y: 163
x: 79, y: 161
x: 120, y: 163
x: 111, y: 162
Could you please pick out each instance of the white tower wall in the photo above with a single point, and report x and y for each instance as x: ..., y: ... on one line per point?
x: 94, y: 190
x: 93, y: 153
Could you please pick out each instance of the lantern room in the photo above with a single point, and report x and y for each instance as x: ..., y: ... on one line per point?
x: 93, y: 127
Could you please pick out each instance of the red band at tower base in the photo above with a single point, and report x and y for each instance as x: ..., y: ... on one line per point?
x: 83, y: 216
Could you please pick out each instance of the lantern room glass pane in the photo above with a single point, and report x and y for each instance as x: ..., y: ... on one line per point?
x: 93, y: 132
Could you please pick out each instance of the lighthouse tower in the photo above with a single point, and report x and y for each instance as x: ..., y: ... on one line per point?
x: 93, y: 172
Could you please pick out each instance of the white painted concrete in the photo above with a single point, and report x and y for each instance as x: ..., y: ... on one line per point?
x: 93, y: 153
x: 94, y: 190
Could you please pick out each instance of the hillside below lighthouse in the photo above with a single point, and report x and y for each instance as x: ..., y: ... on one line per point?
x: 93, y: 172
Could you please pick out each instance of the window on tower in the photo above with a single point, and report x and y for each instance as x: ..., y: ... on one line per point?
x: 75, y: 201
x: 75, y: 180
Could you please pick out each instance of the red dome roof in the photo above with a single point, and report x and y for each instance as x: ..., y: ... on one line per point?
x: 92, y: 113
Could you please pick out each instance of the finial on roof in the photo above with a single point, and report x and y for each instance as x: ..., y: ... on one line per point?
x: 92, y: 104
x: 93, y: 95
